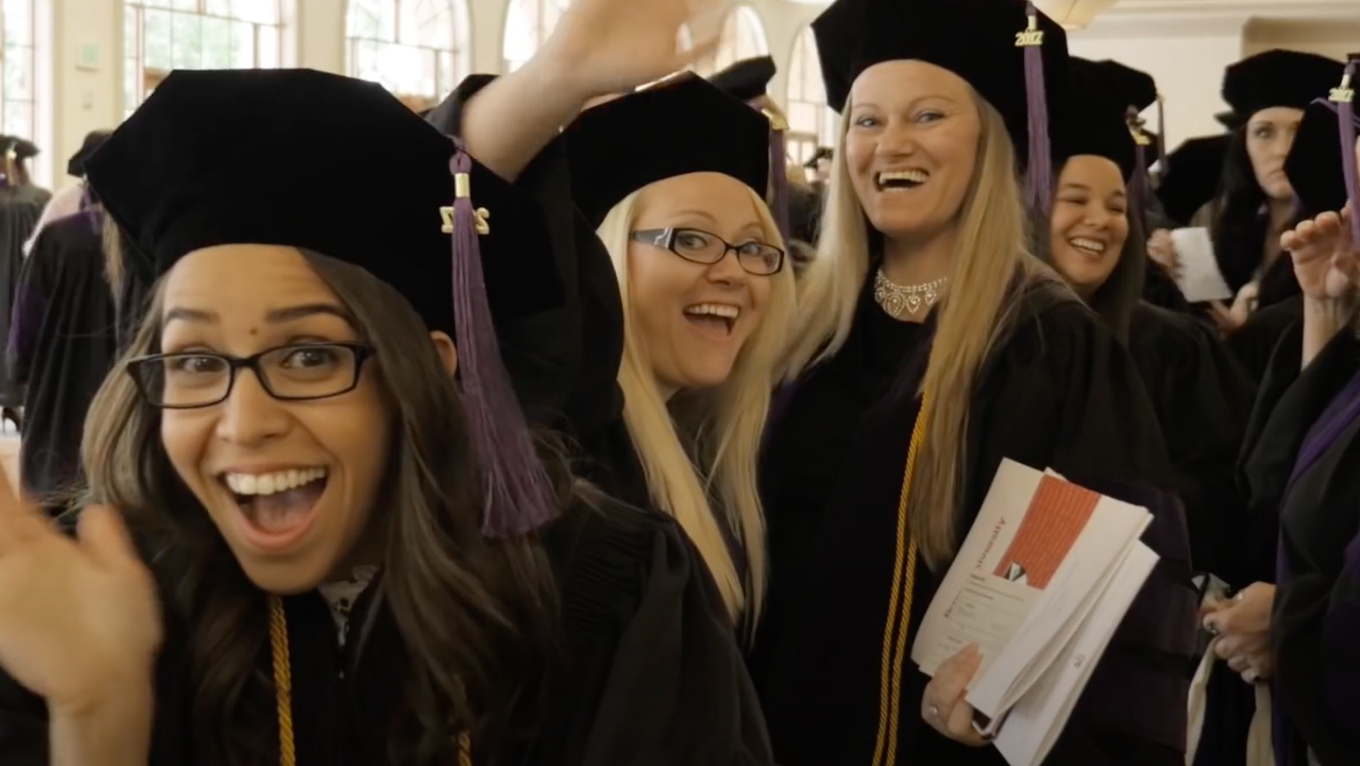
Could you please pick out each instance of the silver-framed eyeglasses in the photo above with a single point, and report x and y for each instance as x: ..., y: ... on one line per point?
x: 296, y: 372
x: 698, y: 246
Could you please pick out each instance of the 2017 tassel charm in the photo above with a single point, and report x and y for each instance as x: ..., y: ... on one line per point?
x: 1344, y: 97
x: 1039, y: 176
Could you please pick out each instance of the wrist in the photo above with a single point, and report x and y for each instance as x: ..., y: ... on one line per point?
x: 1332, y: 310
x: 106, y: 696
x: 114, y: 734
x: 555, y: 77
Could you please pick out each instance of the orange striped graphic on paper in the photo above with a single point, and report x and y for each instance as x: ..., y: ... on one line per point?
x: 1057, y: 514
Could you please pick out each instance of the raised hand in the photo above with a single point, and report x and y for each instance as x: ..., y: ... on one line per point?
x: 1325, y: 256
x: 79, y: 619
x: 614, y: 46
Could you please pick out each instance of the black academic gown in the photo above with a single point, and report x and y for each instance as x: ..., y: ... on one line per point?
x: 1254, y: 342
x: 1203, y: 399
x: 1058, y: 392
x: 1300, y: 470
x: 62, y: 345
x: 20, y: 210
x: 651, y: 673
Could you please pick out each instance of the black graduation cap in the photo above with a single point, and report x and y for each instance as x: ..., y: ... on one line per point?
x: 746, y: 80
x: 1278, y: 78
x: 975, y: 39
x: 265, y: 157
x: 1096, y: 124
x: 1230, y: 119
x: 682, y: 125
x: 1191, y: 176
x: 21, y: 148
x: 1314, y: 164
x: 1126, y: 84
x: 93, y: 140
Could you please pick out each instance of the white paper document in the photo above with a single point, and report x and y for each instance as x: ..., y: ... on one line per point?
x: 1034, y: 578
x: 1199, y: 278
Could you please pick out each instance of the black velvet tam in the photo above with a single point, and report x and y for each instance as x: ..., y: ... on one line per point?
x: 1279, y: 78
x: 680, y: 126
x: 1128, y: 85
x: 975, y: 39
x: 1097, y: 126
x: 1314, y: 165
x: 268, y: 157
x: 23, y: 148
x: 93, y: 140
x: 746, y: 80
x: 1192, y: 176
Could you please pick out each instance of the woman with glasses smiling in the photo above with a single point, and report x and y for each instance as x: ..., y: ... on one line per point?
x: 671, y: 179
x: 341, y: 556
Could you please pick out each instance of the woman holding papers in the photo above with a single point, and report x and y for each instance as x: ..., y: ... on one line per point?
x: 1301, y: 447
x: 1201, y: 395
x: 931, y: 345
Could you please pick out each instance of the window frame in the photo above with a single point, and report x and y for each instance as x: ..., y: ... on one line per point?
x: 460, y: 26
x: 134, y: 47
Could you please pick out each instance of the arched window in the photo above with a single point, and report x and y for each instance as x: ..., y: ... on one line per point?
x: 418, y: 49
x: 161, y: 35
x: 527, y: 24
x: 18, y: 69
x: 811, y: 121
x: 743, y: 37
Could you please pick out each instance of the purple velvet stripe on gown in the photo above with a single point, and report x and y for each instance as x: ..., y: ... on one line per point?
x: 1342, y: 620
x: 30, y: 305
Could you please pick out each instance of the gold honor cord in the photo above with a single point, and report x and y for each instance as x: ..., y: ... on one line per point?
x: 898, y: 623
x: 283, y: 690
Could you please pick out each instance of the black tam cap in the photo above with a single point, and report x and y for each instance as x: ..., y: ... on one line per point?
x: 1315, y: 160
x: 21, y: 148
x: 682, y: 125
x: 93, y: 140
x: 264, y: 157
x: 975, y: 39
x: 1191, y: 176
x: 1127, y: 85
x: 1278, y: 78
x: 1097, y: 125
x: 243, y: 156
x: 746, y: 80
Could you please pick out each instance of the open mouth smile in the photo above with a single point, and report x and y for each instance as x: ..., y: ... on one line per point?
x: 1089, y: 246
x: 900, y: 180
x: 715, y: 319
x: 277, y: 507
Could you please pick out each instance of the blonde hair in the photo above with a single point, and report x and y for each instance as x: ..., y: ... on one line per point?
x: 991, y: 252
x: 703, y: 449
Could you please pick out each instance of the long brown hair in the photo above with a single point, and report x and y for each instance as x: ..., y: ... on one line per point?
x: 474, y: 615
x: 990, y: 272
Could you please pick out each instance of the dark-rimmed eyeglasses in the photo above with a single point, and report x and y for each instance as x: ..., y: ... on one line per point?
x: 698, y: 246
x: 292, y: 373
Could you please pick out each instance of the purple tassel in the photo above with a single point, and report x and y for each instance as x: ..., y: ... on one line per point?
x: 1346, y: 117
x: 518, y: 494
x: 1039, y: 178
x: 779, y: 182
